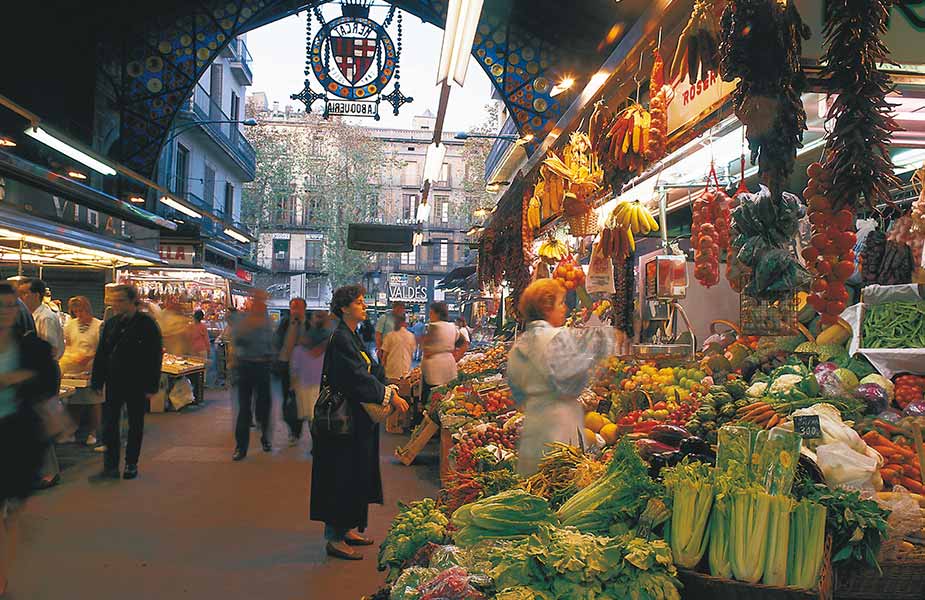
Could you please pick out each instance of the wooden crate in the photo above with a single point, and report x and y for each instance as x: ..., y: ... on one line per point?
x: 446, y: 444
x: 407, y: 453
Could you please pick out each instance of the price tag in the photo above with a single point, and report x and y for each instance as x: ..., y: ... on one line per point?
x: 604, y: 406
x: 807, y: 427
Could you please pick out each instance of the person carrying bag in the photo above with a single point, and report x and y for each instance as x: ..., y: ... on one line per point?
x: 353, y: 400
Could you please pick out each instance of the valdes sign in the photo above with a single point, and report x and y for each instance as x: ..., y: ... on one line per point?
x: 407, y: 288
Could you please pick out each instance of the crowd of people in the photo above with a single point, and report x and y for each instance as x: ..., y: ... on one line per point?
x: 324, y: 361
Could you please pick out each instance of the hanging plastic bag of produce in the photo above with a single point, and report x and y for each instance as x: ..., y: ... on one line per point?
x: 845, y: 467
x: 600, y: 273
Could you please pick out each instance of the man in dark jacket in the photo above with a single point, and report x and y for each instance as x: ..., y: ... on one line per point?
x: 128, y: 364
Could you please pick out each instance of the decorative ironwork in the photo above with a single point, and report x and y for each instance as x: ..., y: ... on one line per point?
x: 365, y: 60
x: 154, y: 68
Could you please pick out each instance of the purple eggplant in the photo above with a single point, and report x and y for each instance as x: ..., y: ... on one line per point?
x: 669, y: 434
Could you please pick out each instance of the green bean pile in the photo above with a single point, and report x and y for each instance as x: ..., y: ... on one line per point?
x: 894, y: 325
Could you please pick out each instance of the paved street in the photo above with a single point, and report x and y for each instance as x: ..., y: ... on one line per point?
x: 196, y: 525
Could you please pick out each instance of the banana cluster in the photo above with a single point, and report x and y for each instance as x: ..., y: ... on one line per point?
x: 634, y: 217
x: 552, y: 251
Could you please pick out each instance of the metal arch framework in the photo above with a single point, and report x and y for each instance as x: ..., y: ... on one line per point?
x: 153, y: 72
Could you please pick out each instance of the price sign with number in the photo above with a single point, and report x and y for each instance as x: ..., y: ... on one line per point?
x: 604, y: 406
x: 807, y: 427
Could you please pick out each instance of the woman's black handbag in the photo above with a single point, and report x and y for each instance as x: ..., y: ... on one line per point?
x: 332, y: 416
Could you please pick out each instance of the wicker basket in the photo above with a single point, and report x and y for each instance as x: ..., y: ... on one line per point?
x: 584, y: 224
x: 700, y: 586
x: 765, y: 317
x: 901, y: 580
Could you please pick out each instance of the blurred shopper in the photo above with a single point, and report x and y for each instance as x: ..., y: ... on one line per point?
x: 418, y: 328
x: 81, y: 339
x: 439, y: 344
x: 345, y: 469
x: 386, y: 323
x: 287, y: 337
x: 398, y: 350
x: 254, y: 354
x: 306, y: 365
x: 463, y: 340
x: 28, y: 377
x: 199, y: 342
x: 47, y: 327
x: 128, y: 367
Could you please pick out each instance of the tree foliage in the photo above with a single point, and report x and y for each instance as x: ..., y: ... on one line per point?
x: 319, y: 175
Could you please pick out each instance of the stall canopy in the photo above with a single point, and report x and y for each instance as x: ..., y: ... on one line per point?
x: 33, y: 240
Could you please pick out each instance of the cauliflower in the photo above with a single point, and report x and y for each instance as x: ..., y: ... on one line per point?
x: 784, y: 383
x: 757, y: 389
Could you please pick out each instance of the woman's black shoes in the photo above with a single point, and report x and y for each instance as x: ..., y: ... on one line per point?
x: 238, y: 455
x: 359, y: 541
x: 343, y: 554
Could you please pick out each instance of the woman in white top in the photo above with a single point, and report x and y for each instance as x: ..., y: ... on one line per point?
x: 81, y: 338
x: 439, y: 364
x: 548, y: 368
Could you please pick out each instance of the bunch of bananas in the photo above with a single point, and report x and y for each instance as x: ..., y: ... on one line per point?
x: 552, y: 251
x: 533, y: 213
x: 635, y: 217
x: 629, y: 138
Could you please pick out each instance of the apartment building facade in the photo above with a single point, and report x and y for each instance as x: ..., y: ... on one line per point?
x: 292, y: 249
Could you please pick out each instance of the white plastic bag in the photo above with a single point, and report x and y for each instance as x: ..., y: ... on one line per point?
x: 181, y: 394
x: 844, y: 467
x: 600, y: 273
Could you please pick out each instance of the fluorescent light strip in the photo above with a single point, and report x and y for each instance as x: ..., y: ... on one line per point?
x: 461, y: 22
x: 180, y: 207
x: 433, y: 161
x: 63, y: 147
x: 234, y: 234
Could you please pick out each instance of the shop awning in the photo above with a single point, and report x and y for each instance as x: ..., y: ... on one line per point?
x: 54, y: 183
x: 38, y: 241
x: 456, y: 277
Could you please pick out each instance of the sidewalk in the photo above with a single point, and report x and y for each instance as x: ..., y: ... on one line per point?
x: 195, y: 524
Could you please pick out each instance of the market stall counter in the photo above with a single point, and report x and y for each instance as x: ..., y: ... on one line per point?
x: 177, y: 370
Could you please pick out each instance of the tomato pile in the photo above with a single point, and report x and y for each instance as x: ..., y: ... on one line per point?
x: 830, y: 255
x: 709, y: 234
x: 498, y: 401
x: 909, y: 388
x: 569, y: 273
x: 478, y: 437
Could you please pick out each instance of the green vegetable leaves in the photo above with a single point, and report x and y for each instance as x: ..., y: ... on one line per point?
x: 857, y: 526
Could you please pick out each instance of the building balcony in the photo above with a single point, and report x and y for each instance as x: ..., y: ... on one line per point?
x: 290, y: 264
x: 216, y: 124
x: 240, y: 62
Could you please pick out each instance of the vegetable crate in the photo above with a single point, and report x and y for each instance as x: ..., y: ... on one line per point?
x: 765, y: 317
x: 701, y: 586
x: 406, y: 454
x: 901, y: 580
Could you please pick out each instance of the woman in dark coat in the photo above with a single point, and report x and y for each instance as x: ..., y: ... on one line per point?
x: 345, y: 470
x: 28, y: 376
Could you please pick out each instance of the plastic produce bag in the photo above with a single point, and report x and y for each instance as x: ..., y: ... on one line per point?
x: 845, y: 467
x: 406, y: 586
x: 905, y: 518
x: 446, y: 557
x: 779, y: 453
x: 453, y: 584
x: 181, y: 393
x: 600, y: 273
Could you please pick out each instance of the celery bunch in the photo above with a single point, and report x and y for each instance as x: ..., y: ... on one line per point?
x: 691, y: 491
x: 807, y: 544
x: 775, y: 564
x: 748, y: 530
